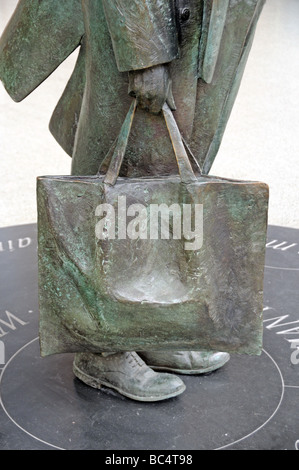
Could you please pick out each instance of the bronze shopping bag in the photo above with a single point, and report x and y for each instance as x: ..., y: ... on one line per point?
x: 139, y: 264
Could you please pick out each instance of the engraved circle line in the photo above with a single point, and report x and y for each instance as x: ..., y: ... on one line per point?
x: 61, y: 448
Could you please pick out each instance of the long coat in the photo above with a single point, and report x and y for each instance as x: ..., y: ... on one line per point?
x: 206, y: 43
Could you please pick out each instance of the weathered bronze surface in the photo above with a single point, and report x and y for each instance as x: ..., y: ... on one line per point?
x: 151, y: 294
x: 204, y: 42
x: 142, y: 294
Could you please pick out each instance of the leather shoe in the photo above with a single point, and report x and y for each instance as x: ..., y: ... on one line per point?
x: 128, y: 374
x: 185, y: 362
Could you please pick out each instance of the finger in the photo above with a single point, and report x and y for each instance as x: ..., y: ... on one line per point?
x: 143, y: 102
x: 156, y: 105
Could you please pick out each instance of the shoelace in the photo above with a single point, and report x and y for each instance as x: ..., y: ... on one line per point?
x: 134, y: 359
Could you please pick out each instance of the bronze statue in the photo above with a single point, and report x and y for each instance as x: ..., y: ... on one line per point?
x: 189, y: 54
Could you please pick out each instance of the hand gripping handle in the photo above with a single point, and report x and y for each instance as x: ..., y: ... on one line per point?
x: 117, y: 152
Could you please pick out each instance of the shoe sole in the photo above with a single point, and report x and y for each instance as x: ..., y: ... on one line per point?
x: 192, y: 371
x: 97, y: 383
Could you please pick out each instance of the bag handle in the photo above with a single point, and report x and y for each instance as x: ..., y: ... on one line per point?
x: 185, y: 169
x: 117, y: 151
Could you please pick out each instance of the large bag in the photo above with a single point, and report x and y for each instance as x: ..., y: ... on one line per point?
x: 117, y: 274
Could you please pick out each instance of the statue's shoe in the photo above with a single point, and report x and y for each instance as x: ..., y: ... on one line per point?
x: 185, y: 362
x: 128, y: 374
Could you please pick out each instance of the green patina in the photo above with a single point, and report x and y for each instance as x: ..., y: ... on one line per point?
x: 133, y: 296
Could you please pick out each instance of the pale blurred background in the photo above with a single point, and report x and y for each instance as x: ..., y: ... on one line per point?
x: 261, y: 141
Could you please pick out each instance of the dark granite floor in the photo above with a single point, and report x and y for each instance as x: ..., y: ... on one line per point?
x: 251, y: 403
